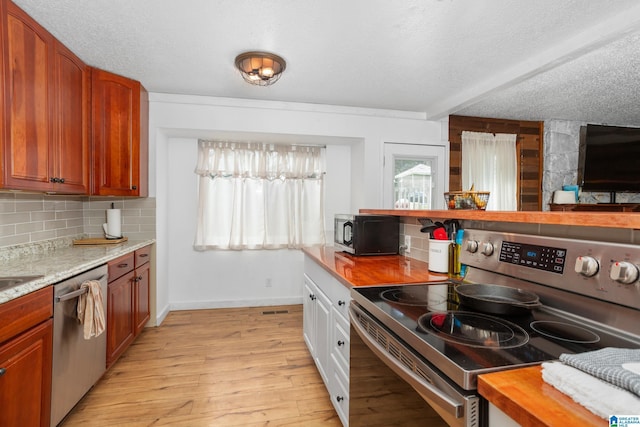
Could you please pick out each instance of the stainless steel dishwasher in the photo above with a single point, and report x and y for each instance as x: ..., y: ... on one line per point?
x: 77, y: 363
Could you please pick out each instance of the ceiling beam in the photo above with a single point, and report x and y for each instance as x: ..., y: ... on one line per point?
x: 588, y: 40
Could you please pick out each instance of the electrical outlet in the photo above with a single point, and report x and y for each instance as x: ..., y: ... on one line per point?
x: 407, y: 244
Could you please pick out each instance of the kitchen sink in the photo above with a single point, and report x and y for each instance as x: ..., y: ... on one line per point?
x: 12, y: 281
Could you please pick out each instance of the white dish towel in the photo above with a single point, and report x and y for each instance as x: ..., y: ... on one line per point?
x: 617, y: 366
x: 90, y: 309
x: 598, y: 396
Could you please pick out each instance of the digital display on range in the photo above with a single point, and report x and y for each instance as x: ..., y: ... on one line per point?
x: 540, y: 257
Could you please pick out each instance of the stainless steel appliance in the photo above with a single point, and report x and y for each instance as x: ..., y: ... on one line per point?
x: 78, y: 363
x: 367, y: 234
x: 590, y: 295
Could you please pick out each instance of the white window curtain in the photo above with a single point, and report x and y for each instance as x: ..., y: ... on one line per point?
x: 489, y: 162
x: 259, y: 196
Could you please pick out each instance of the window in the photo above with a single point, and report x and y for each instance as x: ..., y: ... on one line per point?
x: 259, y: 196
x: 489, y: 163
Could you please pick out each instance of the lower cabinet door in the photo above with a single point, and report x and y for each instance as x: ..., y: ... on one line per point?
x: 120, y: 319
x: 141, y: 300
x: 25, y: 377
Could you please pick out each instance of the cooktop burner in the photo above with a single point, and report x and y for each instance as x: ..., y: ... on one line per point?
x: 417, y: 296
x: 565, y: 332
x: 473, y: 329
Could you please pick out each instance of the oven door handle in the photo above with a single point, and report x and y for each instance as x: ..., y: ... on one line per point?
x: 421, y: 385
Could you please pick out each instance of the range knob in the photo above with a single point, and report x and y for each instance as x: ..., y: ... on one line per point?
x: 487, y: 248
x: 472, y: 246
x: 623, y: 272
x: 587, y: 266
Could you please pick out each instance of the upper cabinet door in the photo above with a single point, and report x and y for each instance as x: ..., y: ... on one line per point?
x: 71, y: 148
x: 28, y: 100
x: 46, y: 103
x: 119, y: 112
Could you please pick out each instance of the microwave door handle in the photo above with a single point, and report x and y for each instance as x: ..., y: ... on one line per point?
x: 346, y: 225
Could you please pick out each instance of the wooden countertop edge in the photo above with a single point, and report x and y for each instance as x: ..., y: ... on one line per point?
x: 525, y: 397
x: 419, y: 275
x: 588, y: 219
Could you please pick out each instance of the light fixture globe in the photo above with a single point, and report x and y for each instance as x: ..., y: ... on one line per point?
x: 260, y: 68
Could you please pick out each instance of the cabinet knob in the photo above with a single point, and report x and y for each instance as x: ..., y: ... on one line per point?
x: 61, y: 180
x: 339, y: 398
x: 139, y: 278
x: 341, y: 302
x: 312, y: 297
x: 340, y: 343
x: 134, y: 187
x: 2, y: 371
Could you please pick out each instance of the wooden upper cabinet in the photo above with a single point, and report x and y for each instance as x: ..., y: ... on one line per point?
x: 28, y: 96
x: 119, y: 112
x: 72, y: 148
x: 46, y: 89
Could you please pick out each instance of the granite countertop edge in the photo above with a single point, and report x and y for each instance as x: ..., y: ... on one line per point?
x: 60, y: 264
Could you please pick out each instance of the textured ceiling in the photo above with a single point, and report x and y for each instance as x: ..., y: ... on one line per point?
x: 535, y: 60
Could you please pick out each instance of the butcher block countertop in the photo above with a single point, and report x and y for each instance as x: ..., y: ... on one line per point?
x: 526, y: 398
x: 588, y: 219
x: 372, y: 270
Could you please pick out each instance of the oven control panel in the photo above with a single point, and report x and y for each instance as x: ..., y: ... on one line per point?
x: 534, y: 256
x: 603, y: 270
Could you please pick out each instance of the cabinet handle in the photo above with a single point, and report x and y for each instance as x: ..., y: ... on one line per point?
x: 123, y: 265
x: 312, y: 296
x: 339, y: 398
x: 341, y: 302
x: 54, y: 180
x: 340, y: 343
x: 144, y: 255
x: 2, y: 371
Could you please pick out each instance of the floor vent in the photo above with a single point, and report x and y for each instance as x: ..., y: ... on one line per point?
x: 276, y: 312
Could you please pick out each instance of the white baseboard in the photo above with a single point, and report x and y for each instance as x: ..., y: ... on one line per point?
x: 203, y: 305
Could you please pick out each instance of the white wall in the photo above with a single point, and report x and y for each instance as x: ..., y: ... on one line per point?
x: 354, y: 140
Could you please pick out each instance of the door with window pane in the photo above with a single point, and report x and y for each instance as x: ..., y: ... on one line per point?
x: 414, y: 176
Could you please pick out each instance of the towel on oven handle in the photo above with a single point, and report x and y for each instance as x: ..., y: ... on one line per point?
x: 617, y: 366
x: 598, y: 396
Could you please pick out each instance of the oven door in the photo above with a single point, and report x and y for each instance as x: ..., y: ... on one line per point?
x: 404, y: 385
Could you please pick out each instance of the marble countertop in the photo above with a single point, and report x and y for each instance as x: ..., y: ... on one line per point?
x: 60, y: 263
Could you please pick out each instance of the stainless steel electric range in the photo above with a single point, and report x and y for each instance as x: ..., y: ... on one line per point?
x: 590, y: 295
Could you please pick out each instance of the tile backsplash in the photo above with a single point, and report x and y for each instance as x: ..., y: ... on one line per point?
x: 29, y: 218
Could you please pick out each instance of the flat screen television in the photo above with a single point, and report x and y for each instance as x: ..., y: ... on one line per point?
x: 609, y: 159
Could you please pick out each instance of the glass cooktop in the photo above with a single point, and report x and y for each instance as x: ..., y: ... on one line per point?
x: 463, y: 342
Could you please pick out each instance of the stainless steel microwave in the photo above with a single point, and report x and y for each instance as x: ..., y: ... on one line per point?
x: 367, y: 234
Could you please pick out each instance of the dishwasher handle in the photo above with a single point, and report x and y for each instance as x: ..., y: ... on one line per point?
x: 72, y: 295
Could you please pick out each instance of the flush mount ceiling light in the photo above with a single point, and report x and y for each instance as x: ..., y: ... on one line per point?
x: 260, y: 68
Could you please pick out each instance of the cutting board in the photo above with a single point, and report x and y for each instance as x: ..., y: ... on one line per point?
x: 99, y: 241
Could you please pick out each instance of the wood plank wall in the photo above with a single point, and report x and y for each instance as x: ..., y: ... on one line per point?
x: 529, y: 145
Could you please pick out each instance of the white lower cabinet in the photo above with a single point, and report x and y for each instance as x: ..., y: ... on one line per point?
x: 317, y: 326
x: 326, y: 332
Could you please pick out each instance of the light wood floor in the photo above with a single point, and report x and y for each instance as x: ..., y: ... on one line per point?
x: 222, y: 367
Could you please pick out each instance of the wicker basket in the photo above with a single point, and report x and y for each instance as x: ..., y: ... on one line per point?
x: 466, y: 199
